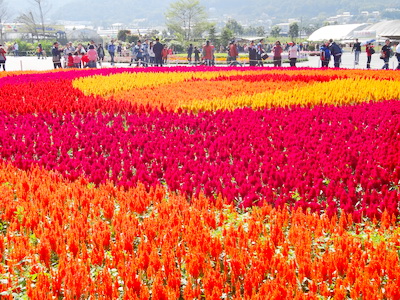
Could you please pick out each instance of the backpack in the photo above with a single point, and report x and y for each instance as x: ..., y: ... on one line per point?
x: 371, y: 50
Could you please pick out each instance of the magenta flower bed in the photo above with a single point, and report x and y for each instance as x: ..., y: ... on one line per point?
x: 325, y: 158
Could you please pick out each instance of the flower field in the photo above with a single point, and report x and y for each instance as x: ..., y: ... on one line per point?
x: 200, y: 183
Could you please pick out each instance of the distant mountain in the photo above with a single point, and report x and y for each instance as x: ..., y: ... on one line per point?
x: 105, y: 12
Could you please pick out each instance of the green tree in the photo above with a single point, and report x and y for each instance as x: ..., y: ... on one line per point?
x: 293, y: 30
x: 275, y: 31
x: 260, y: 31
x: 123, y: 34
x: 187, y: 17
x: 226, y: 36
x: 212, y: 34
x: 235, y: 26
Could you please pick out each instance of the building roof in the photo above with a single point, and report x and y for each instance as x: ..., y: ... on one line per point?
x: 336, y: 32
x: 387, y: 29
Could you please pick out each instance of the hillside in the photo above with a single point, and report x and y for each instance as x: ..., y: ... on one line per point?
x: 151, y: 12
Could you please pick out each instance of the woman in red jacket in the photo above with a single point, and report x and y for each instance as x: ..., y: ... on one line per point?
x: 369, y: 48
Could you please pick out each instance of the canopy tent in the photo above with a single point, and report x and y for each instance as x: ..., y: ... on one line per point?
x: 336, y: 32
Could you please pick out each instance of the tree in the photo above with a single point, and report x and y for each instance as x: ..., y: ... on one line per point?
x: 260, y: 31
x: 293, y: 30
x: 123, y: 34
x: 235, y: 26
x: 226, y: 36
x: 275, y: 31
x: 28, y: 19
x: 3, y: 16
x: 40, y: 6
x: 187, y: 17
x: 212, y: 34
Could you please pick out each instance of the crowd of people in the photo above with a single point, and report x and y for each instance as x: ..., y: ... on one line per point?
x: 153, y: 53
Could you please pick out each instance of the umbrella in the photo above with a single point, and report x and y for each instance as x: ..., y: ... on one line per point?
x: 367, y: 42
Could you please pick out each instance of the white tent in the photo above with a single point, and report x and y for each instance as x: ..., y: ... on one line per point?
x: 336, y: 32
x: 386, y: 29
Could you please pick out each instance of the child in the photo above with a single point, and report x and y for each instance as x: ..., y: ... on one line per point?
x: 77, y: 60
x: 84, y: 60
x: 70, y: 62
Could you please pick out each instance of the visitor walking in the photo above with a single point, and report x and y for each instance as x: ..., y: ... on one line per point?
x: 357, y: 50
x: 3, y: 57
x: 385, y: 54
x: 111, y: 50
x: 100, y: 54
x: 190, y: 53
x: 39, y: 51
x: 277, y: 54
x: 196, y: 52
x: 336, y: 52
x: 369, y: 49
x: 16, y: 49
x: 158, y: 48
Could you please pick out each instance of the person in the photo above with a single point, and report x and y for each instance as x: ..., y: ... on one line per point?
x: 80, y: 49
x: 146, y: 56
x: 85, y: 60
x: 77, y: 60
x: 119, y: 49
x: 252, y: 54
x: 196, y: 52
x: 260, y: 51
x: 139, y: 53
x: 357, y: 50
x: 369, y: 49
x: 293, y: 50
x: 190, y: 53
x: 39, y: 51
x: 100, y: 54
x: 16, y: 49
x: 92, y: 56
x: 336, y: 52
x: 152, y: 56
x: 164, y: 54
x: 208, y: 53
x: 233, y: 53
x: 277, y: 52
x: 398, y: 55
x: 70, y: 61
x: 325, y: 55
x: 158, y: 48
x: 111, y: 51
x: 56, y: 53
x: 385, y: 54
x: 3, y: 57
